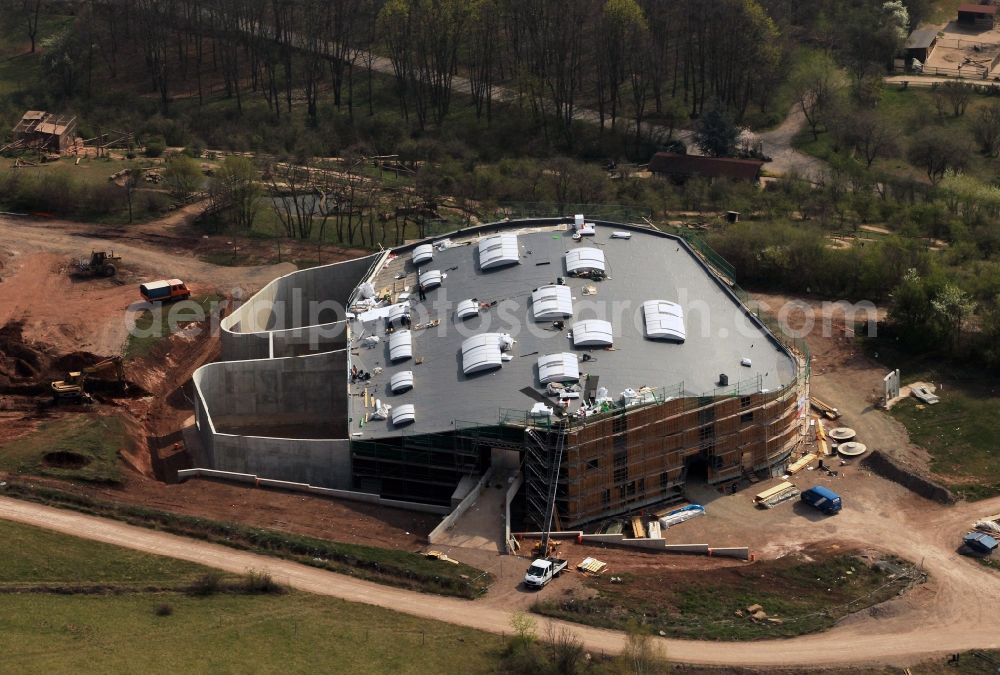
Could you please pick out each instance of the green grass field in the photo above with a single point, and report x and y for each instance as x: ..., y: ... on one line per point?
x: 32, y: 555
x: 119, y: 631
x: 230, y: 634
x: 388, y: 566
x: 961, y: 435
x: 92, y: 442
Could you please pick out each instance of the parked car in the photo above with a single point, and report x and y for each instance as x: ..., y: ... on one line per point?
x: 542, y: 571
x: 822, y: 498
x: 980, y: 542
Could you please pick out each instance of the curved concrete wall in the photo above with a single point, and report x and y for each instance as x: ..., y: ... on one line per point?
x: 238, y: 402
x: 300, y: 313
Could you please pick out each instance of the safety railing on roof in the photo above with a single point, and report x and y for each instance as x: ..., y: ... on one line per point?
x: 798, y: 345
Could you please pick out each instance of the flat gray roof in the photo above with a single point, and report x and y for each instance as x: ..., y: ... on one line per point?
x: 648, y: 266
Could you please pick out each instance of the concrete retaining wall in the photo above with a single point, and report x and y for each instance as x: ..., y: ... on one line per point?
x: 661, y: 545
x: 438, y: 532
x: 366, y: 497
x: 252, y: 392
x: 264, y: 391
x: 885, y: 466
x: 302, y: 312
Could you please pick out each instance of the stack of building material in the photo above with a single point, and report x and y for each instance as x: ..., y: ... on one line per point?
x: 592, y: 566
x: 678, y: 516
x: 802, y: 463
x: 990, y: 524
x: 638, y: 529
x: 771, y: 497
x: 654, y: 530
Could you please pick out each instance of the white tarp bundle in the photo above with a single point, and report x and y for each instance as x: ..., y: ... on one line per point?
x: 682, y: 514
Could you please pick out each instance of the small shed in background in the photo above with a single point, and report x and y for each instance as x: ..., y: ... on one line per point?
x: 920, y: 44
x: 45, y: 131
x: 679, y: 168
x: 982, y: 16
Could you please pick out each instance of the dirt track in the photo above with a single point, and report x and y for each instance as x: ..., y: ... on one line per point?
x: 961, y: 615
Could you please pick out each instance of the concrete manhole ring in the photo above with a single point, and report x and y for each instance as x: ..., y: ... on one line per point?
x: 841, y: 434
x: 852, y: 449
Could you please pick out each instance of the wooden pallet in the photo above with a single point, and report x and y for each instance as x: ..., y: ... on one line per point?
x: 592, y: 566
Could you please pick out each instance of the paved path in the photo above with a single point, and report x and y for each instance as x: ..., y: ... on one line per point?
x: 963, y: 615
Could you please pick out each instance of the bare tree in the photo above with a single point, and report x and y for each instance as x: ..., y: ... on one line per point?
x: 873, y: 136
x: 986, y: 128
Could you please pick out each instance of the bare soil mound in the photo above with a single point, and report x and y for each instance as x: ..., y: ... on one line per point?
x: 27, y: 368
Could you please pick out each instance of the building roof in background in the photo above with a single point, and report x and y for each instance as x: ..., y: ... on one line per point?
x: 977, y: 9
x: 709, y: 167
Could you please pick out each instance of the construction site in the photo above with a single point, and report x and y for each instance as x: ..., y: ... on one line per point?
x: 409, y: 374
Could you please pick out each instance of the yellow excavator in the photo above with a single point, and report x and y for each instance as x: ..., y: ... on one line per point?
x: 74, y: 386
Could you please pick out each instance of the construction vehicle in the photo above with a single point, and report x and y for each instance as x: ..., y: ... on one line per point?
x: 164, y: 290
x: 101, y: 264
x: 74, y: 386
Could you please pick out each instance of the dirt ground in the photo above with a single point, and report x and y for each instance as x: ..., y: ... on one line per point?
x: 52, y: 322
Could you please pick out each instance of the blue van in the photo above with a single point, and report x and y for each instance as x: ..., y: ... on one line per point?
x: 824, y: 499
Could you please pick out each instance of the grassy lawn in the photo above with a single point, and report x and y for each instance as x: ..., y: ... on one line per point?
x: 152, y: 325
x: 83, y: 447
x: 803, y: 595
x: 961, y: 435
x: 33, y: 555
x: 388, y: 566
x: 119, y: 631
x: 230, y: 633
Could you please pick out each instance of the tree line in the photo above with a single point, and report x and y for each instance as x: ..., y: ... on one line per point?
x: 644, y: 60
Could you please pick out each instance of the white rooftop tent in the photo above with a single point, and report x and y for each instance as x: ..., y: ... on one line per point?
x: 552, y: 302
x: 481, y: 352
x: 585, y: 259
x: 592, y: 333
x: 423, y: 253
x: 664, y: 320
x: 430, y: 279
x: 467, y: 309
x: 401, y: 381
x: 498, y: 250
x: 400, y: 345
x: 562, y: 367
x: 397, y: 313
x: 404, y: 414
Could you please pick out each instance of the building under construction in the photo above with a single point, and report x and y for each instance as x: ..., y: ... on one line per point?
x: 609, y: 361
